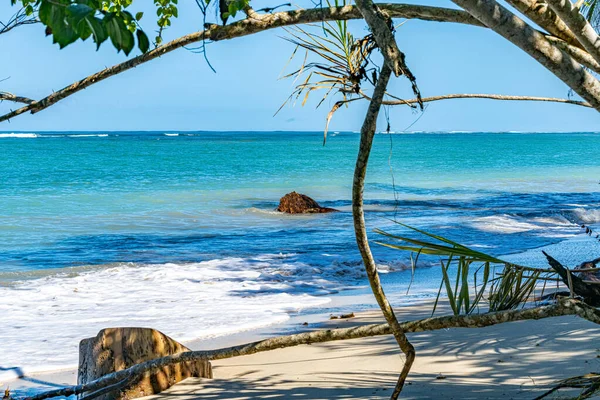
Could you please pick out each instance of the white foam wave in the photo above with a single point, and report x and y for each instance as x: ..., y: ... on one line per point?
x: 90, y: 135
x: 550, y: 226
x: 587, y: 215
x: 503, y: 224
x: 18, y: 135
x: 45, y: 318
x: 263, y: 211
x: 171, y: 134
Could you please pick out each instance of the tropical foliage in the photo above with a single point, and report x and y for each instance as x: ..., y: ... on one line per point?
x: 70, y: 20
x: 469, y: 277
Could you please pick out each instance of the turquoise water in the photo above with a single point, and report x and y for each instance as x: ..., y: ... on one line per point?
x: 69, y: 200
x: 123, y: 228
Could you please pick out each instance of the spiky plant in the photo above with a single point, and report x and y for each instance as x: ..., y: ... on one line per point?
x: 343, y: 65
x: 474, y: 273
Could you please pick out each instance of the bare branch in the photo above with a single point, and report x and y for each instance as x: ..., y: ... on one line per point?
x: 394, y: 61
x: 381, y: 26
x: 17, y: 99
x: 367, y: 133
x: 18, y: 19
x: 562, y: 308
x: 485, y: 96
x: 582, y: 29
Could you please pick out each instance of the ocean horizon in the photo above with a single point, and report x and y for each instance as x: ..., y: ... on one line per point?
x: 111, y: 228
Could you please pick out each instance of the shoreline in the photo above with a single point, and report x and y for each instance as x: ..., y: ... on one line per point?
x: 36, y: 382
x: 518, y: 360
x: 357, y: 300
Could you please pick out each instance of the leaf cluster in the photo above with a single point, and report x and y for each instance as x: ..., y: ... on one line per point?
x: 474, y: 276
x: 70, y: 20
x: 343, y: 65
x: 233, y: 7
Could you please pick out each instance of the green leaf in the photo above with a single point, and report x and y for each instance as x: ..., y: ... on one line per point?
x: 98, y: 30
x: 51, y: 14
x: 143, y: 42
x: 54, y: 16
x: 77, y: 12
x: 232, y: 9
x: 119, y: 35
x: 139, y: 15
x: 64, y: 35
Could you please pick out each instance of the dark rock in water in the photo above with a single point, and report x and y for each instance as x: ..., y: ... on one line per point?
x: 115, y: 349
x: 297, y: 203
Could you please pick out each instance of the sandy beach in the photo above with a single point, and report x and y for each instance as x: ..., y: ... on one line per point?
x: 518, y: 360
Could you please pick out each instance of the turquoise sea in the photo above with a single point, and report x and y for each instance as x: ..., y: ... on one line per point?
x: 177, y: 230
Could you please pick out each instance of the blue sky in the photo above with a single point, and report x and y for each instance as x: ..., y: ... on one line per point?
x: 180, y: 92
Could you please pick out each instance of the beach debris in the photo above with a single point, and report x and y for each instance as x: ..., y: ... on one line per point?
x: 297, y: 203
x: 588, y: 384
x: 588, y: 289
x: 342, y: 316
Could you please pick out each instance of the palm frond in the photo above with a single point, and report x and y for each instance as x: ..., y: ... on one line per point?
x: 473, y: 278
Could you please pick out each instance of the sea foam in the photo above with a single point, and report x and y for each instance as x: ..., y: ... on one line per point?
x: 45, y: 318
x: 18, y: 135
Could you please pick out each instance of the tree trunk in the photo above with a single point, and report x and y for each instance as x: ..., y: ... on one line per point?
x: 582, y: 29
x: 540, y: 13
x: 366, y: 141
x: 515, y: 30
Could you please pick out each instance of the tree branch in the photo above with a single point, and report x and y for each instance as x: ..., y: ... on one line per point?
x: 271, y: 21
x: 18, y: 19
x: 485, y: 96
x: 394, y: 61
x: 546, y: 18
x: 562, y: 308
x: 580, y: 27
x: 17, y: 99
x: 366, y: 142
x: 517, y: 31
x: 582, y: 56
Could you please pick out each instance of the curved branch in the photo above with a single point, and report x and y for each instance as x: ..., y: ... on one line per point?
x: 540, y: 13
x: 17, y: 99
x: 562, y: 308
x: 580, y: 27
x: 484, y: 96
x: 394, y: 61
x: 582, y: 56
x: 270, y: 21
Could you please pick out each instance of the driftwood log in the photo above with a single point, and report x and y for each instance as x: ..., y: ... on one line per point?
x: 589, y: 292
